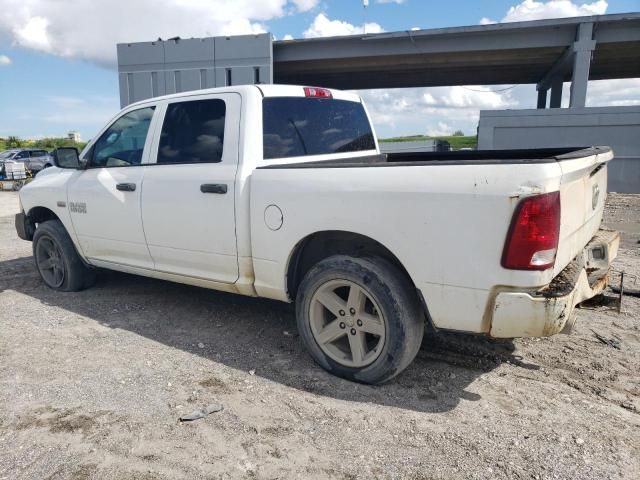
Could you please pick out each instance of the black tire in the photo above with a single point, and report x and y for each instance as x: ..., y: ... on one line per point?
x: 395, y: 296
x: 75, y: 274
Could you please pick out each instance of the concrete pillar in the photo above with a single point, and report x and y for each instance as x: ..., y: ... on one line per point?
x: 556, y: 93
x: 542, y: 99
x: 583, y: 49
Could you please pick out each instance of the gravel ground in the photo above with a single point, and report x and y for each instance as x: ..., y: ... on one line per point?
x: 92, y: 385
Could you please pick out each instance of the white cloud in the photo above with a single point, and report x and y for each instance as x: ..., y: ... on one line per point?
x: 440, y: 130
x: 614, y: 93
x: 33, y: 34
x: 391, y: 1
x: 436, y: 110
x: 89, y: 30
x: 474, y: 97
x: 534, y: 10
x: 288, y: 36
x: 323, y: 26
x: 412, y: 111
x: 4, y: 61
x: 304, y: 5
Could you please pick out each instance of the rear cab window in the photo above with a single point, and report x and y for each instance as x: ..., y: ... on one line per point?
x: 301, y: 126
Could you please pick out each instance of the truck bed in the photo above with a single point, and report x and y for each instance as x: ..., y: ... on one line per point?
x: 466, y: 157
x: 446, y: 225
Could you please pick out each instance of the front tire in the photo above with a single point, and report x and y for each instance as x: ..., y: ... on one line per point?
x: 360, y: 318
x: 57, y: 260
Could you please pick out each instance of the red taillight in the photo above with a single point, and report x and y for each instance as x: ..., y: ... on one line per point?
x: 317, y: 92
x: 532, y: 241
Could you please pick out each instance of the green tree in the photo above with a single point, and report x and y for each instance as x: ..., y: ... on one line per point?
x: 458, y: 133
x: 14, y: 142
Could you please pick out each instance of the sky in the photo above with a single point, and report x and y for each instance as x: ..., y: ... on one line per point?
x: 58, y: 67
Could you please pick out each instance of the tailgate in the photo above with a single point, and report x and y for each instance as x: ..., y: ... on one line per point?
x: 583, y: 190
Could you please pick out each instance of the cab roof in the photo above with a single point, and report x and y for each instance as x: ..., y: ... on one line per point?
x: 266, y: 90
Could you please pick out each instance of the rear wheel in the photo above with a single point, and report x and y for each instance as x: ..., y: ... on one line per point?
x: 57, y: 261
x: 360, y: 318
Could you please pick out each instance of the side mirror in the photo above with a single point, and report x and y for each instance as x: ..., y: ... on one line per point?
x: 67, y: 157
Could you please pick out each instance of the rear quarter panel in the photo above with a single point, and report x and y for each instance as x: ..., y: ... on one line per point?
x: 445, y: 223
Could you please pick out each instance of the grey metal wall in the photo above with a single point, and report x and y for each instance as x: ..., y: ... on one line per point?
x: 415, y: 147
x: 617, y: 127
x: 150, y: 69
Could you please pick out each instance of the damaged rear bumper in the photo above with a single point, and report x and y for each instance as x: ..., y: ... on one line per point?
x: 550, y: 309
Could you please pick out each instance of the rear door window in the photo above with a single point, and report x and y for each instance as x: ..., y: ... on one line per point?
x: 193, y: 132
x: 301, y: 126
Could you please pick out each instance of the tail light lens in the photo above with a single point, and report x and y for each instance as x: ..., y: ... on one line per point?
x: 532, y: 241
x: 317, y: 92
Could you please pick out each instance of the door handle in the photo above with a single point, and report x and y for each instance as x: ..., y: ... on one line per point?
x: 126, y: 187
x: 213, y: 188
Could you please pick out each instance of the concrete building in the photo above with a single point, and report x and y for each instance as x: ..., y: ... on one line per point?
x: 75, y: 136
x: 543, y: 52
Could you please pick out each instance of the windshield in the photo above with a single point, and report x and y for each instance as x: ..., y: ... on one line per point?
x: 7, y: 154
x: 300, y: 126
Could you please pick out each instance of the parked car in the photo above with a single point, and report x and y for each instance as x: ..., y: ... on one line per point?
x: 34, y: 159
x: 281, y: 192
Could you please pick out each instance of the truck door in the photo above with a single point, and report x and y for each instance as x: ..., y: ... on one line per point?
x: 104, y: 199
x: 188, y: 196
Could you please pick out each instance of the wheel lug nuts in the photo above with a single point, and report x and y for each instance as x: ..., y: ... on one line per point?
x: 359, y: 322
x: 353, y: 331
x: 342, y: 325
x: 352, y: 311
x: 341, y: 312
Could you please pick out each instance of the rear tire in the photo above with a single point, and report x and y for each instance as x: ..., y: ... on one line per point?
x: 57, y: 260
x: 373, y: 325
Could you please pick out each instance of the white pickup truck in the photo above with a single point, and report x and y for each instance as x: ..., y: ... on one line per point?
x: 281, y: 192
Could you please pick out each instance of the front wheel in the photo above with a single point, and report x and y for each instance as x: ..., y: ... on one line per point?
x: 360, y: 318
x: 58, y: 263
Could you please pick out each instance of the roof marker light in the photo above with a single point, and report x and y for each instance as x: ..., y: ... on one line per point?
x: 316, y: 92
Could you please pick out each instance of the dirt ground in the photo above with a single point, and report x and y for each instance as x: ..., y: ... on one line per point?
x: 92, y: 385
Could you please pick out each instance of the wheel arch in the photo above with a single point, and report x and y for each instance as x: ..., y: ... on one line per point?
x: 322, y: 244
x: 41, y: 214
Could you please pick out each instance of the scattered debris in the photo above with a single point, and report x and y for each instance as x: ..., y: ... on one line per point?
x: 198, y: 414
x: 630, y: 292
x: 628, y: 405
x: 200, y: 345
x: 621, y: 292
x: 252, y: 372
x: 612, y: 342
